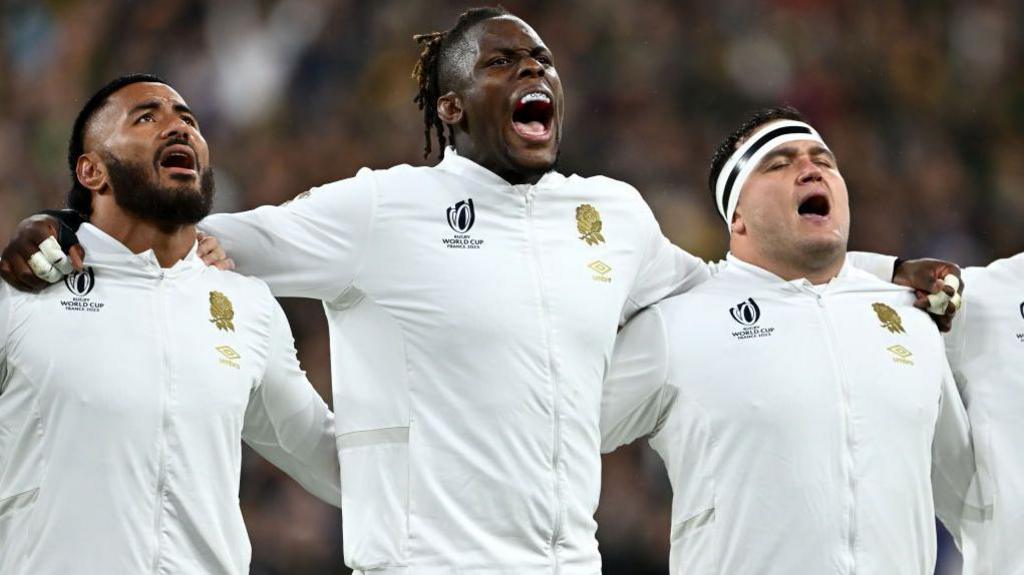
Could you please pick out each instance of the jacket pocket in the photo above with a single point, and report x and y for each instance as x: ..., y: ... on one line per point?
x: 694, y: 545
x: 375, y: 497
x: 14, y: 509
x: 11, y: 505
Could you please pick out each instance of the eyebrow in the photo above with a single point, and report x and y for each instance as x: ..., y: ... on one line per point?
x: 534, y: 52
x: 155, y: 104
x: 791, y: 152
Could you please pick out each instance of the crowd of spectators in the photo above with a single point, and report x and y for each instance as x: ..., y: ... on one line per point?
x: 922, y: 101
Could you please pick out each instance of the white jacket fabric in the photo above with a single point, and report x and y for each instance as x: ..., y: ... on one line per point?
x: 805, y: 428
x: 124, y: 395
x: 471, y: 323
x: 985, y: 351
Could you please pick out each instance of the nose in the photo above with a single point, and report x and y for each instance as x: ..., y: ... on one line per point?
x: 530, y: 67
x: 809, y: 172
x: 177, y: 128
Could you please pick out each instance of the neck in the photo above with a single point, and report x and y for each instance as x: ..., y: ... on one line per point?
x: 511, y: 174
x: 169, y: 244
x: 818, y: 269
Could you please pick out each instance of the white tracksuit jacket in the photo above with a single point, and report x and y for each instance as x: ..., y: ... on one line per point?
x: 986, y: 353
x: 471, y: 324
x: 124, y: 395
x: 803, y: 427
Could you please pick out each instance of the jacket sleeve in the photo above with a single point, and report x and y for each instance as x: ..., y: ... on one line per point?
x: 289, y: 424
x: 959, y: 485
x: 665, y: 270
x: 878, y: 265
x: 309, y: 247
x: 636, y: 395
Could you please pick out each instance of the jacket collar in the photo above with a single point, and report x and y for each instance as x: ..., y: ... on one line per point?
x: 455, y: 164
x: 102, y: 250
x: 753, y: 275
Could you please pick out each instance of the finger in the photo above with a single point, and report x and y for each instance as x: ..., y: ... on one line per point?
x: 57, y: 258
x: 922, y: 301
x: 952, y: 283
x: 25, y: 280
x: 78, y: 258
x: 205, y: 246
x: 944, y: 323
x: 226, y: 264
x: 214, y: 255
x: 956, y: 301
x: 43, y: 268
x: 937, y: 303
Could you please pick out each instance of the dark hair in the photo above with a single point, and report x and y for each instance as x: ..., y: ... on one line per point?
x: 729, y: 145
x: 435, y: 70
x: 80, y: 198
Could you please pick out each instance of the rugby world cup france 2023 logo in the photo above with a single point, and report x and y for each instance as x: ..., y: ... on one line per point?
x: 747, y: 313
x: 461, y: 218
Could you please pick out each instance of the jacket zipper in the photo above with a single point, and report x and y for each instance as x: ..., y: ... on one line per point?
x: 557, y: 424
x: 161, y: 329
x: 844, y: 384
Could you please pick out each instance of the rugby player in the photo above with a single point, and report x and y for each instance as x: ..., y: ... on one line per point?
x: 126, y: 390
x: 804, y: 409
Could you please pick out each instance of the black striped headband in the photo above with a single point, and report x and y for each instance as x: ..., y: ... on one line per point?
x: 743, y: 161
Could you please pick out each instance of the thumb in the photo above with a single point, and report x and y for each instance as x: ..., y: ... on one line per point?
x: 77, y: 254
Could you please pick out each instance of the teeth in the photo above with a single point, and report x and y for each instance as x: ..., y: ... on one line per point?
x: 535, y: 97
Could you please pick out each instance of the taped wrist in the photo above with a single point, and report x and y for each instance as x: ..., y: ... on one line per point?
x: 69, y: 222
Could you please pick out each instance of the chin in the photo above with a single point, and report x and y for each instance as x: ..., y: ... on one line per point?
x: 534, y: 161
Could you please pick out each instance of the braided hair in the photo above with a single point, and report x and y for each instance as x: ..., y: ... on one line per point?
x: 435, y: 70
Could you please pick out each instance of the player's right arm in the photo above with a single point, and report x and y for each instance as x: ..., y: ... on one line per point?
x: 312, y: 246
x: 636, y: 395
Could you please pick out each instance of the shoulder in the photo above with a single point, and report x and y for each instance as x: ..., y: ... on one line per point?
x: 244, y: 291
x: 606, y: 186
x: 1003, y: 270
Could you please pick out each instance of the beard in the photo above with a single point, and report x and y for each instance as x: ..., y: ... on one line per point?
x: 168, y: 207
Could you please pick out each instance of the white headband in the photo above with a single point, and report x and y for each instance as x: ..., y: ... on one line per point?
x: 743, y: 161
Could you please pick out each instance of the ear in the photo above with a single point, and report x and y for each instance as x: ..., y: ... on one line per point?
x: 91, y: 172
x: 449, y: 108
x: 738, y: 226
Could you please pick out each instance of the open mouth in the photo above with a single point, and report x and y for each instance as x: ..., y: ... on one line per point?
x: 815, y: 205
x: 533, y: 115
x: 178, y: 159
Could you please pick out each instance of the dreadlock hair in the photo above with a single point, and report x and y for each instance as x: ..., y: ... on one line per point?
x: 434, y: 71
x: 79, y: 197
x: 729, y: 145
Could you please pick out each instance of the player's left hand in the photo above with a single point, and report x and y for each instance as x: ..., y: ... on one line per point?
x: 938, y: 286
x: 212, y: 254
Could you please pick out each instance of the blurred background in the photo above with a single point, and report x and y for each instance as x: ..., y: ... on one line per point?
x: 922, y: 101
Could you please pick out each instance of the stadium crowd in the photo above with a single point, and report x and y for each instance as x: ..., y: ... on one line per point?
x: 921, y: 100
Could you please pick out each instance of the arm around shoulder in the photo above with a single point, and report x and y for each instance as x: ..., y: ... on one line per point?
x: 665, y: 270
x: 311, y: 246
